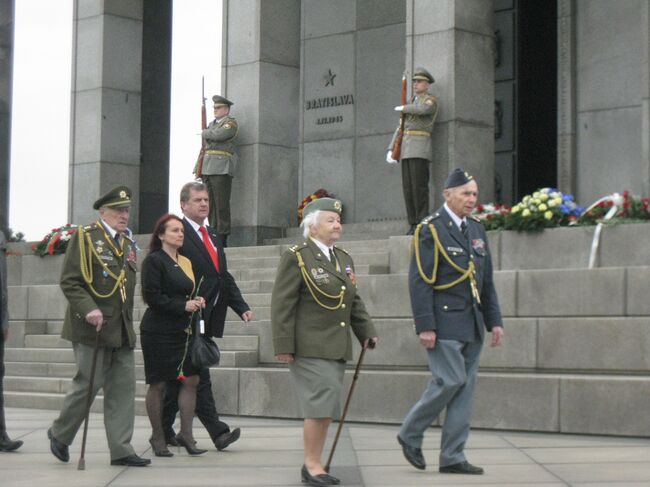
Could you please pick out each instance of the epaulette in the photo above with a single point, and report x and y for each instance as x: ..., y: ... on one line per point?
x: 298, y: 247
x: 475, y: 218
x: 90, y: 227
x: 342, y: 250
x: 430, y: 100
x: 430, y: 218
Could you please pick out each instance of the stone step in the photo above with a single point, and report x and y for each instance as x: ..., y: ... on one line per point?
x: 54, y: 401
x: 371, y: 258
x: 229, y: 358
x: 40, y: 369
x: 526, y: 401
x: 386, y: 228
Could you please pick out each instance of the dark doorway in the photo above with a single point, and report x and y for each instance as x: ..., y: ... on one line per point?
x: 525, y: 97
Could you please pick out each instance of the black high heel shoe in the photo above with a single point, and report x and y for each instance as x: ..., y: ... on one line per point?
x: 160, y: 452
x: 190, y: 448
x: 320, y: 480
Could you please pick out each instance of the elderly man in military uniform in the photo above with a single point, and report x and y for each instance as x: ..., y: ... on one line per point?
x: 419, y: 117
x: 98, y: 280
x: 454, y: 301
x: 219, y: 164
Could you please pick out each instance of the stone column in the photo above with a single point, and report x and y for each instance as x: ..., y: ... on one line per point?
x: 106, y: 96
x: 454, y: 40
x: 260, y: 74
x: 644, y: 16
x: 566, y: 99
x: 7, y: 15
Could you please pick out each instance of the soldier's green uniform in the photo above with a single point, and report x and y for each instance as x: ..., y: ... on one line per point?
x: 100, y: 273
x: 219, y: 164
x: 416, y: 153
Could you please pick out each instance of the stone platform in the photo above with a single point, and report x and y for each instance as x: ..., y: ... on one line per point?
x: 269, y: 453
x: 575, y: 360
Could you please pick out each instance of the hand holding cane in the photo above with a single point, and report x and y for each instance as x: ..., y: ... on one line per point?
x: 371, y: 344
x: 82, y: 460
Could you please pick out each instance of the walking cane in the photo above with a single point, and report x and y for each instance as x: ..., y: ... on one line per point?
x: 371, y: 344
x: 89, y: 402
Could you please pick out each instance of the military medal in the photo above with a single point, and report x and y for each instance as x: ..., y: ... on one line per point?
x: 351, y: 275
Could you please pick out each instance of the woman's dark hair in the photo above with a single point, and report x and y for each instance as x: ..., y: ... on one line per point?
x: 159, y: 228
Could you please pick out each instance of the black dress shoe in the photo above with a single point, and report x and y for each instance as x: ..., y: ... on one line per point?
x: 171, y: 441
x: 160, y: 452
x: 7, y: 444
x: 317, y: 480
x: 131, y: 460
x: 223, y: 440
x: 413, y: 455
x: 189, y: 447
x: 58, y: 449
x: 462, y: 467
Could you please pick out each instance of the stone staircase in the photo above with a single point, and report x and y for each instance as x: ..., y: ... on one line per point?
x: 576, y: 357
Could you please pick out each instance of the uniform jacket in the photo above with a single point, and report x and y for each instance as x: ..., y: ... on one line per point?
x: 220, y: 136
x: 453, y: 313
x: 218, y: 288
x: 118, y: 315
x: 300, y: 325
x: 419, y: 117
x: 165, y: 288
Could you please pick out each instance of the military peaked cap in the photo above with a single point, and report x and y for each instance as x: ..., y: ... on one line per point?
x: 220, y: 101
x: 323, y: 204
x: 423, y: 74
x: 119, y: 197
x: 457, y: 177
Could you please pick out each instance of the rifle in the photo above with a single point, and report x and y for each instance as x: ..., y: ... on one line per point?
x: 397, y: 145
x: 198, y: 167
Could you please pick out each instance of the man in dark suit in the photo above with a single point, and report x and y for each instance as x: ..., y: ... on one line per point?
x: 454, y: 301
x: 202, y: 245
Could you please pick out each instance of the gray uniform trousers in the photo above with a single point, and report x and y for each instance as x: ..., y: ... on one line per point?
x: 454, y: 366
x: 115, y: 373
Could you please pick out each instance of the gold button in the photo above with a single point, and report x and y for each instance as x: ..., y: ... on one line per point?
x: 445, y: 307
x: 343, y: 306
x: 342, y: 288
x: 342, y: 323
x: 455, y: 253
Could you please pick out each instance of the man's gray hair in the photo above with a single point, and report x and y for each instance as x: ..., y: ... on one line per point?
x: 309, y: 221
x: 191, y: 186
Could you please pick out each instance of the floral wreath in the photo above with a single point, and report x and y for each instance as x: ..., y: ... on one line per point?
x: 319, y: 193
x: 55, y: 242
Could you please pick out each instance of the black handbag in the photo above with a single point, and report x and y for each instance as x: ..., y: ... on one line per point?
x: 204, y: 352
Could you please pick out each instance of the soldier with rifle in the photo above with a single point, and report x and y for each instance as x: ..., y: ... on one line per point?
x: 217, y: 163
x: 411, y: 145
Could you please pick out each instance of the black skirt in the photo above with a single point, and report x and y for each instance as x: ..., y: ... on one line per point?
x: 163, y: 355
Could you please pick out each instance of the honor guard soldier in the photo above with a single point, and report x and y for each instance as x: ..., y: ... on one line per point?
x: 454, y: 301
x: 416, y: 152
x: 219, y: 164
x: 315, y: 308
x: 98, y: 280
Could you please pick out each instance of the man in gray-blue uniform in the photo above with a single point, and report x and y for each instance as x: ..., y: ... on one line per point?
x: 454, y: 301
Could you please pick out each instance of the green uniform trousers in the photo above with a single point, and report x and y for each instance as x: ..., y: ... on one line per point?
x: 415, y: 184
x: 115, y: 373
x: 219, y: 186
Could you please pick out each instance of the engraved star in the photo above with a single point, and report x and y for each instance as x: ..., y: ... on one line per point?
x: 329, y: 78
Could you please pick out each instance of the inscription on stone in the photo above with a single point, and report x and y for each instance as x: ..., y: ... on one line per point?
x: 329, y: 102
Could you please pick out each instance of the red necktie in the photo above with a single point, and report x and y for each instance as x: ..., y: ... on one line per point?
x: 210, y: 248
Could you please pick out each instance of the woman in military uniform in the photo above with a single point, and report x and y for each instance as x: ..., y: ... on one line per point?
x: 315, y: 308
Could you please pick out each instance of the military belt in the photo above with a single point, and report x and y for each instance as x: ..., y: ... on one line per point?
x: 215, y: 152
x: 422, y: 133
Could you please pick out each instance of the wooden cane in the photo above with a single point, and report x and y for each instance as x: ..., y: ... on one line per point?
x: 89, y: 402
x: 371, y: 344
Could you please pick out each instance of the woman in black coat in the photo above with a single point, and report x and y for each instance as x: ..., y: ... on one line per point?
x: 167, y: 288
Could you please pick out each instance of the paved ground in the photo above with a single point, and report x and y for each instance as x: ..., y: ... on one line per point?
x: 269, y: 454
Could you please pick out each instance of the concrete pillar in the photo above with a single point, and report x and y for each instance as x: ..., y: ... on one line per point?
x: 156, y: 106
x: 454, y: 39
x: 7, y: 16
x: 566, y: 96
x: 106, y: 100
x: 260, y: 74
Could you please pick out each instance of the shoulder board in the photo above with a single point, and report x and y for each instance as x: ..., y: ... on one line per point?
x: 92, y: 226
x: 342, y: 250
x: 476, y: 219
x: 298, y: 247
x: 430, y: 100
x: 430, y: 218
